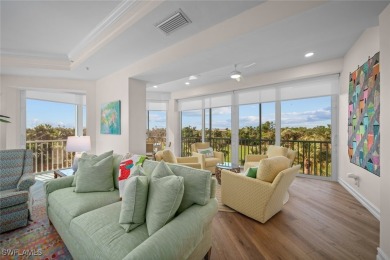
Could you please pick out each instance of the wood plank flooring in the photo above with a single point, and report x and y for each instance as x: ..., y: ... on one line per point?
x: 320, y: 221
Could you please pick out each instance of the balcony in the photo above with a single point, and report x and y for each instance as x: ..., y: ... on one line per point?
x: 49, y: 155
x: 313, y: 156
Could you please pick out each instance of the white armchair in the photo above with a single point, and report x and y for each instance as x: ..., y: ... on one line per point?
x: 253, y: 160
x: 207, y: 163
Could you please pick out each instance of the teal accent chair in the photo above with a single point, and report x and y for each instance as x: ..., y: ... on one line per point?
x: 16, y: 178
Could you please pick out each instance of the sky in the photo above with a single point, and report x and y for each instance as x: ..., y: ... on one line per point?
x: 309, y: 112
x: 52, y: 113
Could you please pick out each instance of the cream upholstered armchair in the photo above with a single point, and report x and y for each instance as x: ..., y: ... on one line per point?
x: 262, y: 197
x: 169, y: 157
x: 253, y: 160
x: 208, y: 163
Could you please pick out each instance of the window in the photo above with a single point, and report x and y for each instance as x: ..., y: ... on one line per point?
x: 306, y: 128
x: 191, y: 130
x: 256, y: 128
x: 49, y: 116
x: 48, y: 124
x: 221, y: 126
x: 156, y: 128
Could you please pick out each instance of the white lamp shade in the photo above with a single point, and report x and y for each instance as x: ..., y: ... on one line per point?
x: 78, y: 144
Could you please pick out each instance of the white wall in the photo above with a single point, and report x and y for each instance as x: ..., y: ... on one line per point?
x: 132, y: 94
x: 137, y: 116
x: 384, y: 32
x: 11, y: 89
x: 369, y: 189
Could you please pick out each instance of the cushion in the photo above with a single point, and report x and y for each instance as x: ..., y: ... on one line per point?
x: 168, y: 156
x: 202, y: 145
x: 12, y: 197
x: 94, y: 175
x: 134, y: 199
x: 91, y: 157
x: 165, y: 194
x: 210, y: 162
x: 270, y: 167
x: 196, y: 183
x: 68, y: 204
x: 208, y: 152
x: 115, y: 168
x: 158, y: 156
x: 291, y: 154
x: 103, y: 238
x: 252, y: 172
x: 127, y: 167
x: 274, y: 150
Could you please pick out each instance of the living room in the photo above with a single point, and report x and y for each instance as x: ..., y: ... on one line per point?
x: 209, y: 47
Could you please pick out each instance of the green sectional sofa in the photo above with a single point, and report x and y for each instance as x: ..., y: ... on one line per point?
x: 89, y: 225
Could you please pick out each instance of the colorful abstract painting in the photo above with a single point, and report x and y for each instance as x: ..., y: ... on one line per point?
x: 110, y: 118
x: 363, y: 116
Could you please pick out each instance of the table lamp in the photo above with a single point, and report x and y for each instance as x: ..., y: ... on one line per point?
x: 78, y: 144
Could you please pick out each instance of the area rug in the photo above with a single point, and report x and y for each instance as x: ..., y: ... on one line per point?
x: 221, y: 207
x: 39, y: 240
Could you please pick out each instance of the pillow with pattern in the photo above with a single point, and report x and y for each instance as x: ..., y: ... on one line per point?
x: 208, y: 152
x: 127, y: 167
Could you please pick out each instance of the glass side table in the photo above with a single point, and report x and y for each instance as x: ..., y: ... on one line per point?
x: 63, y: 172
x: 225, y: 166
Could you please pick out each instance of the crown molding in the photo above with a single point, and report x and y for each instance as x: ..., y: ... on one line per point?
x: 38, y: 61
x: 126, y: 14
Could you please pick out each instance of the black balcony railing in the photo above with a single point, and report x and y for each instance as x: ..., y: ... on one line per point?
x: 313, y: 156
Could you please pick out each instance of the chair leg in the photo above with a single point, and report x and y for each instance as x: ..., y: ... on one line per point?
x: 208, y: 255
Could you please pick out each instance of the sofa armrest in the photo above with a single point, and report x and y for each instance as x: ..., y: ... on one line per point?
x: 219, y: 155
x: 58, y: 184
x: 255, y: 157
x: 245, y: 194
x: 201, y: 158
x: 178, y: 238
x: 191, y: 159
x: 25, y: 182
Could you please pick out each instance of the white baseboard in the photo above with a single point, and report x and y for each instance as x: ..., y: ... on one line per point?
x: 381, y: 255
x: 368, y: 205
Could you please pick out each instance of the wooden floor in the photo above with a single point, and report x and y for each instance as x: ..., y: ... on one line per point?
x: 320, y: 221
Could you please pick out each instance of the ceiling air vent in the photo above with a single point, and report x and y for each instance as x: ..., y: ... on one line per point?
x: 175, y: 21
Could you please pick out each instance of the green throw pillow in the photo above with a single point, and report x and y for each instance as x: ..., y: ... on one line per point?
x: 93, y: 157
x: 252, y: 172
x: 165, y: 195
x: 196, y: 183
x: 94, y: 175
x: 134, y: 199
x: 208, y: 152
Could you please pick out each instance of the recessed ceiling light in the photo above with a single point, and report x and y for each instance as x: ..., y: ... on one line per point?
x: 309, y: 54
x: 187, y: 83
x: 193, y: 77
x: 155, y: 86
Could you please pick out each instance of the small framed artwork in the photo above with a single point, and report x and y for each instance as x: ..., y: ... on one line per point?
x: 110, y: 118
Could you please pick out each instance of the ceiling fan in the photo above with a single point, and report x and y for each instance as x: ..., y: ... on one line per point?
x: 237, y: 75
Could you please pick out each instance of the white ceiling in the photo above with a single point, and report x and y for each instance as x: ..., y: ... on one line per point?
x: 92, y: 39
